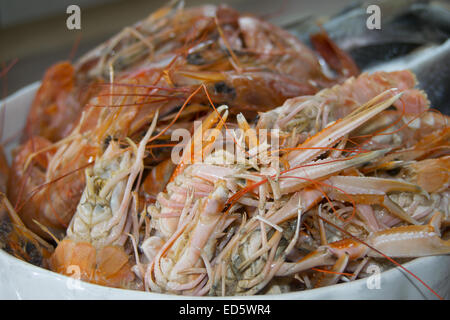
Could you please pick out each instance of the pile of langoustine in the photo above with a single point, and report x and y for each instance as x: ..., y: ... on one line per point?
x: 337, y: 170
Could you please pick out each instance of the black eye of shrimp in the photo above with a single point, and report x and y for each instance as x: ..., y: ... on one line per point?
x: 195, y: 58
x: 106, y: 142
x: 222, y: 88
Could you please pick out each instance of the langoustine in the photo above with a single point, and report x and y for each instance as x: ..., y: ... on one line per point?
x: 113, y: 91
x: 15, y: 237
x: 96, y: 237
x: 345, y: 184
x: 257, y: 248
x: 230, y: 52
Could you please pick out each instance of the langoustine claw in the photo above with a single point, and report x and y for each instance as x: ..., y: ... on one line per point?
x: 404, y: 242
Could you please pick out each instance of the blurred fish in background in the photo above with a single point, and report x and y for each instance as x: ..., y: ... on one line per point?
x: 414, y: 35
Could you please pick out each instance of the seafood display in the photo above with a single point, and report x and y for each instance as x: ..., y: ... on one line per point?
x: 184, y: 48
x: 295, y: 170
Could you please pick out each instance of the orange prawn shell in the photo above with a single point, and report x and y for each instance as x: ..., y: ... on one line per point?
x: 50, y: 203
x: 57, y: 81
x: 158, y: 178
x: 433, y: 175
x: 108, y: 266
x: 348, y: 246
x: 20, y: 180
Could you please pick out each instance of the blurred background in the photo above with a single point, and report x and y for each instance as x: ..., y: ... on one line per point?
x: 35, y: 32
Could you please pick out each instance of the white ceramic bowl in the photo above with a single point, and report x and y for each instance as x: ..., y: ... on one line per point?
x: 21, y: 280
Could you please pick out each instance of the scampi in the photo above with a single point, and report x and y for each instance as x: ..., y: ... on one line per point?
x: 328, y: 175
x: 113, y: 92
x: 293, y: 177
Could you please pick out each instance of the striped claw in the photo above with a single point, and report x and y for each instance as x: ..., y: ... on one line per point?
x: 400, y: 242
x: 370, y: 190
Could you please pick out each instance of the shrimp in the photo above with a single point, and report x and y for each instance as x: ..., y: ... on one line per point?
x: 433, y: 175
x: 57, y: 83
x: 15, y: 237
x: 18, y: 240
x: 46, y: 186
x: 257, y: 251
x: 50, y: 175
x: 150, y: 70
x: 157, y: 179
x: 310, y: 114
x: 99, y: 229
x: 182, y: 263
x: 255, y: 258
x: 170, y: 203
x: 139, y: 70
x: 347, y: 182
x: 405, y: 241
x: 58, y: 102
x: 211, y: 173
x: 186, y: 47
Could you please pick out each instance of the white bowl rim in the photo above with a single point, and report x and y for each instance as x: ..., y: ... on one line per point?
x: 287, y: 295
